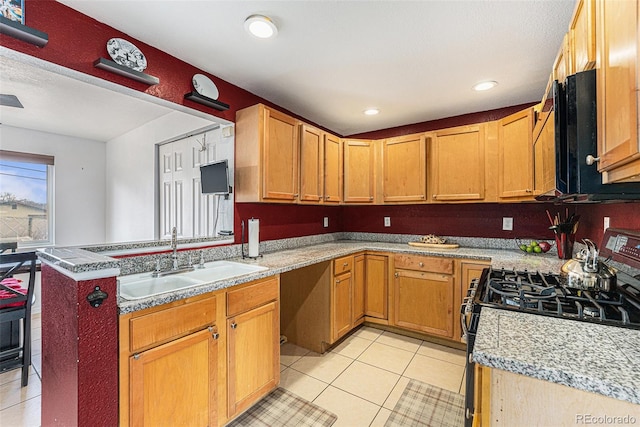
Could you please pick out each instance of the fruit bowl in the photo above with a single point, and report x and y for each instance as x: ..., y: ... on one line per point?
x: 533, y: 246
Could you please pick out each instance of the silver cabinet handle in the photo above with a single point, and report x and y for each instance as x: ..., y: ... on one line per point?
x: 337, y: 281
x: 136, y: 356
x: 370, y: 197
x: 214, y: 333
x: 234, y: 325
x: 396, y: 274
x: 591, y: 160
x: 421, y: 264
x: 345, y: 264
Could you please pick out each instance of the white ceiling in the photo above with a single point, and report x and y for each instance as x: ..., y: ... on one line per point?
x: 414, y: 60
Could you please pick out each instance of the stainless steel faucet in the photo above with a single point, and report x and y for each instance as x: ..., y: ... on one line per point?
x: 174, y: 258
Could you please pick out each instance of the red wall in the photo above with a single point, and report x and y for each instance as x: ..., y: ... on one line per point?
x: 622, y: 215
x: 278, y: 221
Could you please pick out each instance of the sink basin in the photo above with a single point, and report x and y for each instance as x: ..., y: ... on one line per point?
x: 139, y: 286
x: 220, y: 270
x: 143, y: 285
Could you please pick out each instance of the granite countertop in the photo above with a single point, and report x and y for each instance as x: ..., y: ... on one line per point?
x: 286, y: 260
x: 587, y: 356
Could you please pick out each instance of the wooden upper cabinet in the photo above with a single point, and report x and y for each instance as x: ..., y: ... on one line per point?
x: 404, y: 169
x: 311, y: 164
x: 582, y: 32
x: 451, y: 149
x: 562, y: 64
x: 515, y: 155
x: 618, y: 90
x: 332, y: 169
x: 544, y: 156
x: 266, y: 155
x: 358, y: 171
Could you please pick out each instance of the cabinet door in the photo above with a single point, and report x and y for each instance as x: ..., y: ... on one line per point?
x: 544, y: 157
x: 253, y: 356
x: 341, y: 305
x: 311, y: 164
x: 583, y: 36
x: 562, y: 64
x: 377, y: 286
x: 358, y: 171
x: 332, y: 169
x: 280, y: 157
x: 424, y: 302
x: 404, y: 169
x: 617, y: 89
x: 359, y: 279
x: 175, y: 383
x: 457, y: 163
x: 515, y: 155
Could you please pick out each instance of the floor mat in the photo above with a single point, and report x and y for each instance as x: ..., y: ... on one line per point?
x: 281, y: 408
x: 427, y: 405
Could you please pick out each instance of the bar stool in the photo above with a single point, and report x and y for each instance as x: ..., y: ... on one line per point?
x: 15, y: 308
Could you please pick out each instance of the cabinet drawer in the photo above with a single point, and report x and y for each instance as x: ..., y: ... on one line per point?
x: 424, y: 263
x: 174, y: 322
x: 342, y: 265
x: 252, y: 296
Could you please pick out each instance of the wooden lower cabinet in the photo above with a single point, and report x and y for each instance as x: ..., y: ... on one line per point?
x: 423, y: 294
x: 507, y: 399
x: 359, y: 286
x: 424, y: 302
x: 377, y: 287
x: 179, y: 364
x: 175, y: 383
x: 253, y: 356
x: 341, y: 307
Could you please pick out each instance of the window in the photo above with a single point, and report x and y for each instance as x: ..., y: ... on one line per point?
x: 26, y: 195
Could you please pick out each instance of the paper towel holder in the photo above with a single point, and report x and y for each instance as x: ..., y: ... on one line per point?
x: 242, y: 244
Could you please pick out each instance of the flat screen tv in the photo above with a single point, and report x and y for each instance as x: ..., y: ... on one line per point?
x: 214, y: 177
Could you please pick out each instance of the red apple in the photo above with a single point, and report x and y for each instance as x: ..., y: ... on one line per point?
x: 545, y: 246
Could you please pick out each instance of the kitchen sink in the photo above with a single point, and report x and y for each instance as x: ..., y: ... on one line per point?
x: 220, y: 270
x: 143, y: 285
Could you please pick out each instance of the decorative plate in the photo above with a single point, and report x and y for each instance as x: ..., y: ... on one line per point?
x: 127, y: 54
x: 204, y: 86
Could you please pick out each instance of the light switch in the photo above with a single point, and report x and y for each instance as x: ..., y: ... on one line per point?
x: 326, y: 221
x: 607, y: 221
x: 507, y: 223
x: 387, y: 221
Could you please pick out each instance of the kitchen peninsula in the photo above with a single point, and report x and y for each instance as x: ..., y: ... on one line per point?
x: 79, y: 271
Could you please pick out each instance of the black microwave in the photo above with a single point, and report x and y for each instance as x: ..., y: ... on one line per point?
x: 575, y: 114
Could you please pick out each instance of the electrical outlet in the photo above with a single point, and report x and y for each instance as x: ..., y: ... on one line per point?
x: 387, y: 221
x: 326, y: 221
x: 507, y: 223
x: 607, y: 221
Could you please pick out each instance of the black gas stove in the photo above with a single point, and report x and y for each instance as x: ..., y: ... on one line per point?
x: 547, y: 294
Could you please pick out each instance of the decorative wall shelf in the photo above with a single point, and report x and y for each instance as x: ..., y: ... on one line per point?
x: 22, y: 32
x: 204, y: 100
x: 108, y: 65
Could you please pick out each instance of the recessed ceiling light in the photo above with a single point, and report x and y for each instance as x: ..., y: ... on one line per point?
x: 260, y: 26
x: 371, y: 111
x: 485, y: 85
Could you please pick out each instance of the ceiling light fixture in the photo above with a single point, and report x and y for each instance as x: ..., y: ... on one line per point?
x: 371, y: 111
x: 485, y: 85
x: 260, y: 26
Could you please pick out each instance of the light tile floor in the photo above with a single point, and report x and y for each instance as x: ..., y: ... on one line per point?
x: 360, y: 380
